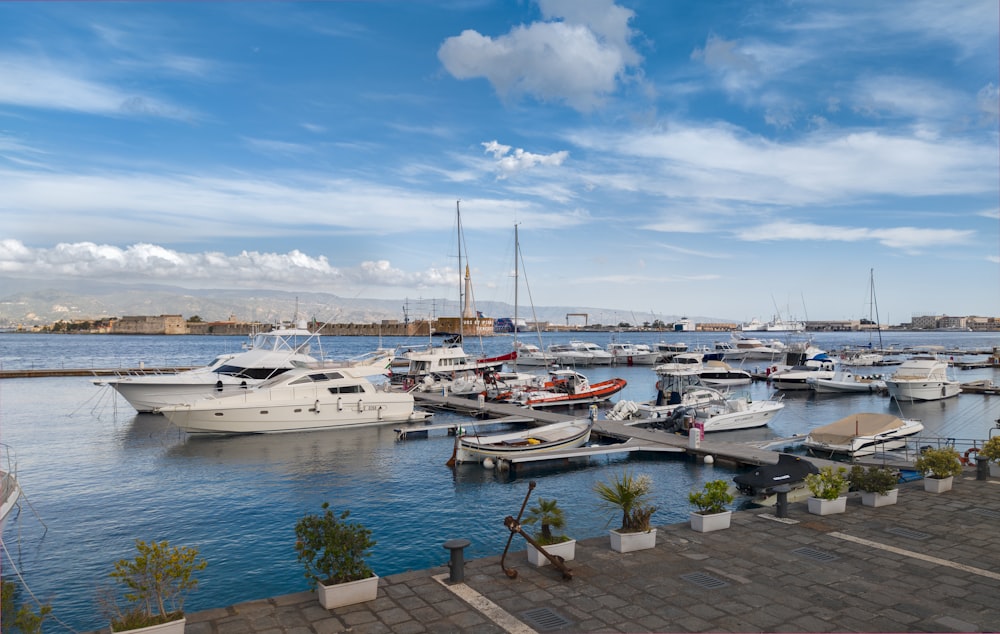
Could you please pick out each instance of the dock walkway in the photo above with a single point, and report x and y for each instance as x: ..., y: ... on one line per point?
x: 927, y: 564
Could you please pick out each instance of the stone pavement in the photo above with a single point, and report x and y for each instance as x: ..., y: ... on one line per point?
x: 929, y: 563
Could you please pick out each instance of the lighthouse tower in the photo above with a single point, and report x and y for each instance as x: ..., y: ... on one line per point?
x: 467, y: 311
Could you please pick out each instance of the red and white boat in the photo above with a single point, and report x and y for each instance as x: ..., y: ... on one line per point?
x: 564, y: 387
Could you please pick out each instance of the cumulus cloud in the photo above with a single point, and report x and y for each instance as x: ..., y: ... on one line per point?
x: 509, y: 163
x: 577, y: 55
x: 905, y: 238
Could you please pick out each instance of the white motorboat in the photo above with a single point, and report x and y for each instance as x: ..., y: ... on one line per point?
x: 923, y: 378
x: 269, y: 354
x: 862, y: 434
x: 721, y: 374
x: 471, y: 447
x: 579, y: 353
x: 10, y: 490
x: 757, y: 350
x: 668, y: 349
x: 845, y: 382
x: 447, y: 360
x: 528, y: 354
x: 632, y: 354
x: 488, y: 383
x: 798, y: 377
x: 729, y: 351
x: 683, y: 401
x: 305, y: 398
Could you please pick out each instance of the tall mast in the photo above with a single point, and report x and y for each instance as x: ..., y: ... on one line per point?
x: 461, y: 282
x: 517, y: 254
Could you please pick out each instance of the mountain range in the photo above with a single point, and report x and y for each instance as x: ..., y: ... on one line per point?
x: 26, y: 302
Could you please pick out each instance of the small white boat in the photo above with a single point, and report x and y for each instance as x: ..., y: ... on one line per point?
x: 847, y: 383
x: 305, y: 398
x: 565, y: 435
x: 922, y: 378
x: 632, y: 354
x: 269, y: 354
x: 862, y: 434
x: 579, y: 353
x: 668, y: 349
x: 721, y: 374
x: 530, y: 355
x: 447, y: 360
x: 683, y: 401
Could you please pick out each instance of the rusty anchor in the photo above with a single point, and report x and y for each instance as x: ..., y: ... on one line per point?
x: 514, y: 526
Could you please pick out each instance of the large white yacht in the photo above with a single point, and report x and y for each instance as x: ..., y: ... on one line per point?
x: 269, y: 354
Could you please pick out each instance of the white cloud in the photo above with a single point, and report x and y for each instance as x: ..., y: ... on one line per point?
x: 907, y: 238
x: 35, y: 84
x: 510, y: 163
x: 579, y: 60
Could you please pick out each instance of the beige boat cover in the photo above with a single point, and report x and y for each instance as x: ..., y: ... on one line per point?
x: 842, y: 431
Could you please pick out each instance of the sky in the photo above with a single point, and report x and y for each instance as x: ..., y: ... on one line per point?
x: 733, y: 159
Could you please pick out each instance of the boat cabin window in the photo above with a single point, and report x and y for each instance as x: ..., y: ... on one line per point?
x: 346, y: 389
x: 250, y: 373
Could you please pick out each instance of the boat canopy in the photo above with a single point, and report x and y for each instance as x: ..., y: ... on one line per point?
x: 841, y: 432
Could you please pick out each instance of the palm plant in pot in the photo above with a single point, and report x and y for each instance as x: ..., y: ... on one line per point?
x: 550, y: 518
x: 333, y: 552
x: 157, y: 581
x: 827, y: 488
x: 628, y: 494
x: 878, y: 485
x: 991, y: 451
x: 939, y: 466
x: 711, y: 501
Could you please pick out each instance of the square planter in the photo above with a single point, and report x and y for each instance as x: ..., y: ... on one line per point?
x: 938, y: 485
x: 819, y: 506
x: 628, y: 542
x: 710, y: 522
x: 341, y: 594
x: 566, y: 550
x: 170, y: 627
x: 995, y: 469
x: 869, y: 498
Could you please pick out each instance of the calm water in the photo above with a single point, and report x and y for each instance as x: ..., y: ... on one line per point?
x: 98, y: 476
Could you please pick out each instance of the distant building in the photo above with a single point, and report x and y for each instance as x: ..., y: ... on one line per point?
x: 148, y: 325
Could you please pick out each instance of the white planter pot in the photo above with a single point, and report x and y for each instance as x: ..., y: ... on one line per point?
x: 869, y: 498
x: 349, y: 593
x: 995, y: 469
x: 566, y: 550
x: 627, y: 542
x: 711, y: 522
x: 938, y: 485
x: 170, y: 627
x: 819, y: 506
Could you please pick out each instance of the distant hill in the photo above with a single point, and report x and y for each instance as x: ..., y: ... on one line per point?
x: 27, y: 303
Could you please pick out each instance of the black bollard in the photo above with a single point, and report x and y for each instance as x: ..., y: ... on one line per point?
x: 982, y: 468
x: 456, y: 564
x: 781, y: 506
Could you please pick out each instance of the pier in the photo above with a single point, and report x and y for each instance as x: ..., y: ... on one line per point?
x: 927, y: 564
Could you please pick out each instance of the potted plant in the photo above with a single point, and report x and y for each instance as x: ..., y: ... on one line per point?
x: 157, y: 581
x: 991, y: 450
x: 827, y: 489
x: 939, y: 467
x: 333, y: 552
x: 548, y: 515
x: 878, y: 485
x: 712, y: 514
x: 628, y: 494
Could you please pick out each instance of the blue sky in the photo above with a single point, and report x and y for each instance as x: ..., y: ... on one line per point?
x: 724, y: 159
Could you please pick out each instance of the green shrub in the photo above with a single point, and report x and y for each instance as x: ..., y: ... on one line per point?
x: 331, y: 549
x: 991, y: 449
x: 828, y: 483
x: 939, y: 463
x: 713, y: 497
x: 157, y: 579
x: 873, y: 479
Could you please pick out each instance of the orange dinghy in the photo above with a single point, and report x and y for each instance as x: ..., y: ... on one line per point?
x: 565, y: 387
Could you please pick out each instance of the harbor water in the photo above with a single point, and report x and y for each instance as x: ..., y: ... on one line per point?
x: 97, y: 476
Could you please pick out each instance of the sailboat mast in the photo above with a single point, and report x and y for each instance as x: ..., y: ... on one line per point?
x: 517, y: 253
x: 461, y: 302
x: 878, y: 323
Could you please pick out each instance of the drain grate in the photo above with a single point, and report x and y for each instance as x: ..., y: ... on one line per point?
x: 909, y: 534
x: 988, y: 513
x: 704, y: 580
x: 545, y: 619
x: 812, y: 553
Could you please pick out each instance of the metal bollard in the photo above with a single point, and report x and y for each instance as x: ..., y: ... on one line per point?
x: 982, y: 468
x: 781, y: 506
x: 456, y: 564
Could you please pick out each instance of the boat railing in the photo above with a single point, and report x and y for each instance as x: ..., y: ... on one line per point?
x: 913, y: 446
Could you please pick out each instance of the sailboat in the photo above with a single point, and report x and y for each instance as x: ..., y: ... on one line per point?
x: 434, y: 367
x: 870, y: 355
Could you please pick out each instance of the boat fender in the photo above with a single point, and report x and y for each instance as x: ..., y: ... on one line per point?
x: 218, y: 386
